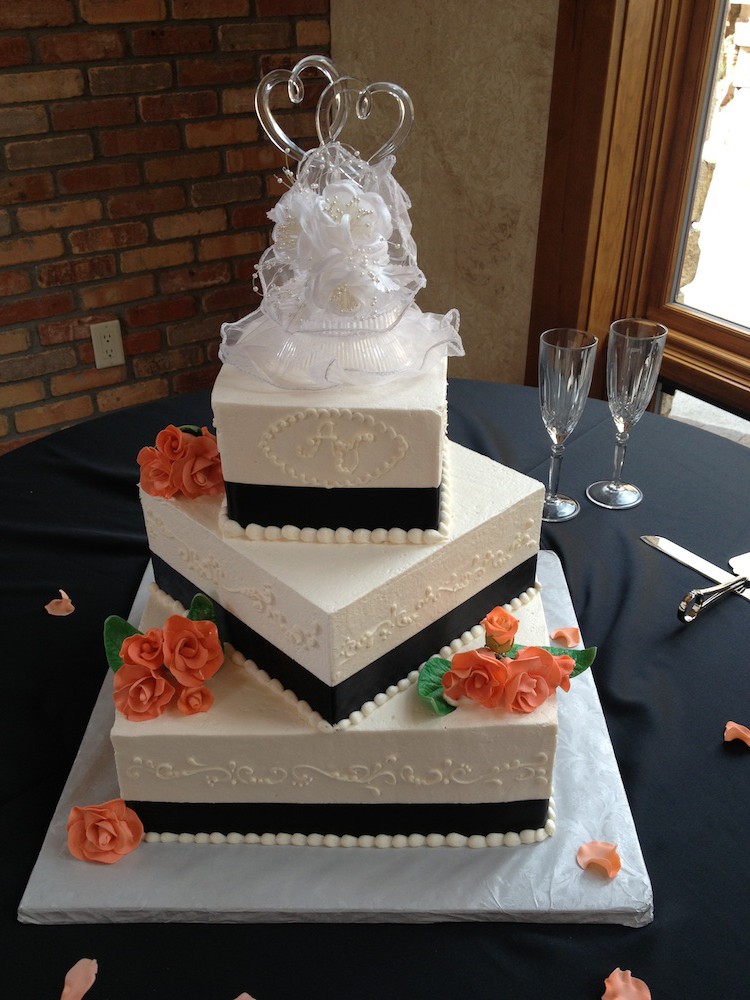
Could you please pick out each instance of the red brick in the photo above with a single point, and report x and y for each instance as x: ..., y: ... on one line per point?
x: 130, y: 78
x: 172, y: 41
x: 141, y: 342
x: 173, y: 227
x: 80, y: 46
x: 26, y: 249
x: 238, y: 101
x: 275, y: 185
x: 98, y: 177
x: 167, y: 361
x: 6, y: 447
x: 31, y: 187
x: 251, y: 216
x: 230, y: 298
x: 59, y: 214
x: 14, y: 51
x: 71, y: 272
x: 20, y: 393
x: 195, y: 9
x: 237, y: 244
x: 86, y: 380
x: 89, y: 114
x: 147, y: 139
x: 223, y: 191
x: 172, y: 168
x: 49, y: 152
x: 36, y: 307
x: 146, y: 202
x: 298, y: 124
x: 46, y: 14
x: 67, y: 330
x: 203, y: 72
x: 265, y: 157
x: 196, y: 379
x: 244, y: 268
x: 169, y: 107
x: 14, y: 283
x: 275, y: 8
x: 278, y: 61
x: 154, y: 258
x: 33, y: 365
x: 4, y: 223
x: 122, y: 11
x: 204, y: 329
x: 199, y: 276
x: 49, y: 85
x: 113, y: 292
x: 255, y: 35
x: 23, y: 121
x: 61, y: 412
x: 13, y: 341
x: 222, y: 132
x: 123, y: 234
x: 163, y: 311
x: 317, y: 33
x: 131, y: 395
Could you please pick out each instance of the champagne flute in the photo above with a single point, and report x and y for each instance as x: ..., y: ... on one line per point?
x: 634, y: 354
x: 566, y: 364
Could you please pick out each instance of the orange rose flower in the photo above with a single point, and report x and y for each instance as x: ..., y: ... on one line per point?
x: 192, y: 650
x: 140, y: 694
x: 476, y: 674
x: 193, y: 700
x: 144, y: 650
x: 566, y: 666
x: 172, y: 442
x: 500, y: 629
x: 156, y: 470
x: 198, y: 472
x: 103, y: 833
x: 532, y: 677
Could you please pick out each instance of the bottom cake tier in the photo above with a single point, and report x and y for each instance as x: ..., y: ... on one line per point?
x: 264, y: 765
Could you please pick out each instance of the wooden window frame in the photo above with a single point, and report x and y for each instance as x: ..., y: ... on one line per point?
x: 625, y: 118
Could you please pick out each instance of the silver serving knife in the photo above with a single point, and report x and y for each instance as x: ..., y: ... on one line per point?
x: 695, y: 601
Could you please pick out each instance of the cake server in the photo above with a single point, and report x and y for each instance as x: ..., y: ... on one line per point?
x: 698, y: 599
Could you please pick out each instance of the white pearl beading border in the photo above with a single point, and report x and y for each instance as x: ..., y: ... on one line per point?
x: 313, y: 718
x: 346, y: 536
x: 380, y: 841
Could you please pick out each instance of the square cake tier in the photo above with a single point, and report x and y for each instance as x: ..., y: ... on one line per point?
x: 336, y: 623
x: 347, y: 457
x: 260, y: 761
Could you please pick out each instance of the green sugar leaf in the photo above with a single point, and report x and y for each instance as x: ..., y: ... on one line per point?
x: 116, y: 631
x: 583, y: 657
x: 202, y: 609
x: 430, y: 685
x: 190, y: 429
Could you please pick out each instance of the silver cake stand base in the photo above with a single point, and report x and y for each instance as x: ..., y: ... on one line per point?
x: 185, y: 883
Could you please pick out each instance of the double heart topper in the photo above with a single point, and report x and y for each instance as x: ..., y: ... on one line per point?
x: 342, y: 95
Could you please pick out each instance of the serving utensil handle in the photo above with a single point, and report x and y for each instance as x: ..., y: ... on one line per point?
x: 699, y: 599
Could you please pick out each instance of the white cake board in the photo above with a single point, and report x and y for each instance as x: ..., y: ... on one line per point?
x: 186, y: 883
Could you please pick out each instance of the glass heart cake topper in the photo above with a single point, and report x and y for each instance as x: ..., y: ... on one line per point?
x: 341, y: 274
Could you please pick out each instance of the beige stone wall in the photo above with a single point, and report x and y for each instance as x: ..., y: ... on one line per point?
x: 479, y: 75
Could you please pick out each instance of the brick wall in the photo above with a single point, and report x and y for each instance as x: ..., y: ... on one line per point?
x: 134, y: 185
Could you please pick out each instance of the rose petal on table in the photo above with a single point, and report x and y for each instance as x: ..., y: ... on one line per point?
x: 243, y: 996
x: 569, y: 638
x: 600, y: 855
x: 80, y: 979
x: 60, y: 606
x: 734, y: 731
x: 621, y: 985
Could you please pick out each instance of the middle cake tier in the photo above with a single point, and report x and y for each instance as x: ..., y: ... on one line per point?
x: 336, y: 623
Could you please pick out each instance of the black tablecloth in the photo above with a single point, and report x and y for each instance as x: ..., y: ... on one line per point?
x: 71, y: 519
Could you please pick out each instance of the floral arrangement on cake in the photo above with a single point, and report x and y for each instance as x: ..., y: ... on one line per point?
x: 184, y: 462
x: 164, y: 665
x: 501, y: 674
x: 340, y: 276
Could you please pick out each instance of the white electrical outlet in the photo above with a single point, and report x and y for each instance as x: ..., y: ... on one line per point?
x: 107, y: 341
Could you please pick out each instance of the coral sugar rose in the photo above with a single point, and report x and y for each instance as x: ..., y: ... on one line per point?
x: 143, y: 650
x: 198, y: 473
x: 103, y: 833
x: 500, y: 629
x: 156, y: 473
x: 192, y: 701
x: 476, y: 674
x: 192, y: 650
x: 532, y: 677
x: 141, y: 694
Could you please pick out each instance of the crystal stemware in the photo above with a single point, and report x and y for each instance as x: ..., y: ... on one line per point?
x: 634, y: 354
x: 566, y: 364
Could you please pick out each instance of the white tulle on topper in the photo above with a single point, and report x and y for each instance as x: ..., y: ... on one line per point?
x: 341, y: 274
